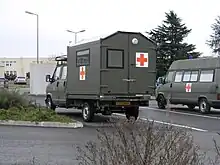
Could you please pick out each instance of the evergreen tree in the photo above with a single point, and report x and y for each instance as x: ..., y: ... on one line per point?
x: 214, y: 41
x: 170, y: 45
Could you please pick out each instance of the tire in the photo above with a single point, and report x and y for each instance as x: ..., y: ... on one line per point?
x: 191, y: 106
x: 132, y: 112
x: 204, y: 106
x: 87, y: 112
x: 161, y: 102
x: 49, y: 103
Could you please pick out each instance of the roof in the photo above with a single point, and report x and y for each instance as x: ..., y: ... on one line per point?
x: 197, y: 63
x: 105, y: 36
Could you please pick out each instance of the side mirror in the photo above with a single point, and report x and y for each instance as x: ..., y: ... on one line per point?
x: 161, y: 80
x: 48, y: 79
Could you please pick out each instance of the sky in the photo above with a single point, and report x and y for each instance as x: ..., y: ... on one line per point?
x: 96, y: 17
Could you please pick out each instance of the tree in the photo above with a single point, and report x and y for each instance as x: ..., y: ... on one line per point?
x: 169, y: 38
x: 214, y: 42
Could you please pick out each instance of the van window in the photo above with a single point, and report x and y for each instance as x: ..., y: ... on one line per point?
x: 206, y: 76
x: 57, y: 73
x: 186, y: 76
x: 169, y: 77
x: 178, y: 76
x: 194, y: 76
x: 64, y: 73
x: 83, y: 58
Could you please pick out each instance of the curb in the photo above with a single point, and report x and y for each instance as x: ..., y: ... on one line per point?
x: 76, y: 124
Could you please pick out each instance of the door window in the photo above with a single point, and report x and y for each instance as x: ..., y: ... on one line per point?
x: 115, y: 58
x: 57, y: 73
x: 178, y: 76
x: 206, y: 76
x: 64, y: 73
x: 169, y: 77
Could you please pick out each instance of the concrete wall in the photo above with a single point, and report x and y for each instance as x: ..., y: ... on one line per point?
x: 38, y: 82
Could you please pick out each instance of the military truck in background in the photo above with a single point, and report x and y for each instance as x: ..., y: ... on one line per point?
x: 114, y: 74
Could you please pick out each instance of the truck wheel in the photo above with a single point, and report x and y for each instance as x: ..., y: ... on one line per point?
x: 161, y: 102
x: 191, y: 107
x: 132, y: 112
x: 49, y: 103
x: 204, y: 106
x: 87, y: 112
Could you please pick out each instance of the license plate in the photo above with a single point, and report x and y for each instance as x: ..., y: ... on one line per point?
x: 122, y: 103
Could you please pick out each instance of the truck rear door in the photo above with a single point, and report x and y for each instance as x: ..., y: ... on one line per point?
x: 142, y: 66
x: 113, y: 78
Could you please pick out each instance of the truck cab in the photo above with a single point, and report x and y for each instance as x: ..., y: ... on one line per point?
x: 56, y: 89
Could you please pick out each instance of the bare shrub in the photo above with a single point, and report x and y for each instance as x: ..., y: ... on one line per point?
x: 141, y: 143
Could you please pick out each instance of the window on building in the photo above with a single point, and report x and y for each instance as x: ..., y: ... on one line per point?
x: 178, y: 76
x: 82, y: 57
x: 64, y: 73
x: 186, y: 76
x: 194, y: 76
x: 206, y: 76
x: 7, y: 64
x: 115, y: 58
x: 169, y: 77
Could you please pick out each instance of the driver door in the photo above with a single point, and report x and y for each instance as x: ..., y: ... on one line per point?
x: 166, y: 88
x: 54, y: 84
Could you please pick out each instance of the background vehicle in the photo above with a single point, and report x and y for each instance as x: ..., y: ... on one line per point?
x: 3, y: 83
x: 113, y: 74
x: 192, y: 82
x: 20, y: 80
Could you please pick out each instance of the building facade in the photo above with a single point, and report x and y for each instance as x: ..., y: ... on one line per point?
x: 21, y: 66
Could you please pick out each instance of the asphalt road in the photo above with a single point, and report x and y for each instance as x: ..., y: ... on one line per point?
x: 28, y: 145
x: 52, y: 145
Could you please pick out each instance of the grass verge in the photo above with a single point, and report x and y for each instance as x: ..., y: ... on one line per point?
x: 32, y: 114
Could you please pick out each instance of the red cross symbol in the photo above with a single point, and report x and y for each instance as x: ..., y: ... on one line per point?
x: 82, y: 73
x: 188, y: 87
x: 142, y: 60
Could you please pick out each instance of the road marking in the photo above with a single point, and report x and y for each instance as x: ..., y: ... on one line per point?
x: 166, y: 123
x: 182, y: 113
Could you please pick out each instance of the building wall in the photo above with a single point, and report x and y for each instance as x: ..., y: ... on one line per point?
x: 21, y: 66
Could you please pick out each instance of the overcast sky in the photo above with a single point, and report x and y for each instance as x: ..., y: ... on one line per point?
x: 97, y: 17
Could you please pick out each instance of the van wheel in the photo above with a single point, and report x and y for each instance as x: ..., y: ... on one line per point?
x: 161, y: 102
x: 132, y: 112
x: 87, y: 112
x: 49, y: 103
x: 204, y: 106
x: 191, y: 106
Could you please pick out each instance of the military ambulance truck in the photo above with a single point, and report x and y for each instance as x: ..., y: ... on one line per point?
x: 192, y: 82
x: 114, y: 74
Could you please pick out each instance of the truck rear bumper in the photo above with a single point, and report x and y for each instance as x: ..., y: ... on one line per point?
x: 125, y: 101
